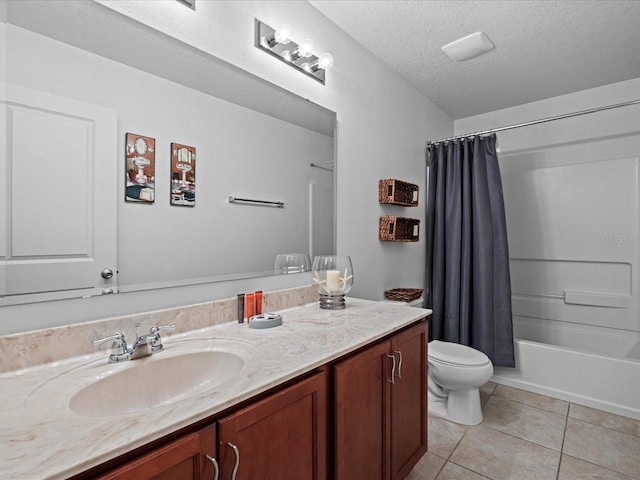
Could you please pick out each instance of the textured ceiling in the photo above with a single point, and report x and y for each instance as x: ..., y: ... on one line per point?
x: 544, y: 48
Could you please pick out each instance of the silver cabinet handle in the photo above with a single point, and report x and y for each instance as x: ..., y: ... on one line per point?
x: 215, y: 466
x: 235, y: 467
x: 393, y: 368
x: 399, y: 363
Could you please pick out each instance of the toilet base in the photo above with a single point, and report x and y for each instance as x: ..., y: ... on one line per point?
x: 461, y: 406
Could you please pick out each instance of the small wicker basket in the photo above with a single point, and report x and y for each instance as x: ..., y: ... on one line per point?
x: 398, y: 229
x: 403, y: 294
x: 397, y: 192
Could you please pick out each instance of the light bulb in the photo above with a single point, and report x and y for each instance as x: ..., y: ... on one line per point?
x: 283, y: 34
x: 325, y: 61
x: 305, y: 47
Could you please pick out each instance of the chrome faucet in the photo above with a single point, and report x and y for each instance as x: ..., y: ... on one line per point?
x: 143, y: 345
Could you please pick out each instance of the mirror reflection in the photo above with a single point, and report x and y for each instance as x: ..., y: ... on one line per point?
x: 292, y: 263
x: 253, y: 140
x: 140, y: 146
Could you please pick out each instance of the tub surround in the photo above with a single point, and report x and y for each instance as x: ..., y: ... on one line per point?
x: 40, y: 437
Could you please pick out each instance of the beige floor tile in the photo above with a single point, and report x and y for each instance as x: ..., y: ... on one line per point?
x: 533, y: 399
x: 608, y: 448
x: 523, y: 421
x: 444, y: 436
x: 605, y: 419
x: 573, y: 468
x: 427, y: 468
x: 499, y: 456
x: 451, y: 471
x: 488, y: 388
x: 486, y: 391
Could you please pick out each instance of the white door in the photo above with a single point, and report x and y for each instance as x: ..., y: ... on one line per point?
x: 58, y: 207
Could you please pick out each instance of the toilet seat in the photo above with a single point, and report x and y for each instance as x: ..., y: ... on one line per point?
x: 454, y: 354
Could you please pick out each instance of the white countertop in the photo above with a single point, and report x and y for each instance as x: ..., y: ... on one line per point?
x: 42, y: 438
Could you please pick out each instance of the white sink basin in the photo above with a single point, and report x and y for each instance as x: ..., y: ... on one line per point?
x: 155, y: 381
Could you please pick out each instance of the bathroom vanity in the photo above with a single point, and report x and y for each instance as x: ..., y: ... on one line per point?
x: 329, y: 394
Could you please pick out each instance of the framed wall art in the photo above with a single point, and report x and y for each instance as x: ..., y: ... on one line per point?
x: 141, y: 167
x: 183, y: 175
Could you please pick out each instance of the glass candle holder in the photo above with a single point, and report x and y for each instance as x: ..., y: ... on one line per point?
x: 333, y: 277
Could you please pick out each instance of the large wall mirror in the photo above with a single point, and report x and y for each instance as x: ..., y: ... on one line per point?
x: 253, y: 140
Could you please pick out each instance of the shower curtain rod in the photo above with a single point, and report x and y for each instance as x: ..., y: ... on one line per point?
x: 534, y: 122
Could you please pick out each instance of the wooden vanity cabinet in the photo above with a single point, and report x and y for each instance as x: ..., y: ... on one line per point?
x: 282, y: 437
x: 380, y: 409
x: 376, y: 400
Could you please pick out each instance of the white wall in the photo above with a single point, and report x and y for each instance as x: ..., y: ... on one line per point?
x: 585, y: 99
x: 571, y: 191
x: 383, y: 125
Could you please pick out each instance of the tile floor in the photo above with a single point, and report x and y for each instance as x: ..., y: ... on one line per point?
x: 532, y: 437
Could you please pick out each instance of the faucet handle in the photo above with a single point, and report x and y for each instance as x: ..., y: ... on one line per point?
x: 156, y: 340
x: 156, y: 329
x: 117, y: 338
x: 118, y: 347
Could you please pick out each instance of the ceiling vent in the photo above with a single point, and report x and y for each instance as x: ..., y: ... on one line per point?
x: 468, y: 47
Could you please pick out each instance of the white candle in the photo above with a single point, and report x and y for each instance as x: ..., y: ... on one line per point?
x: 333, y: 280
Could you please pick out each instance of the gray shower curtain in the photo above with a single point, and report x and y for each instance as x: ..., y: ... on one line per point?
x: 468, y: 284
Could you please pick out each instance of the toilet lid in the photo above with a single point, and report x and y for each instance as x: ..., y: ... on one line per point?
x: 456, y: 354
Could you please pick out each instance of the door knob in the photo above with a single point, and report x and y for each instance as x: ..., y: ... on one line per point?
x: 106, y: 273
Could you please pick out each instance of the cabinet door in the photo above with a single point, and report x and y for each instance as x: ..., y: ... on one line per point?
x: 281, y: 437
x: 182, y: 459
x: 409, y: 400
x: 58, y: 203
x: 176, y: 461
x: 208, y: 460
x: 361, y: 415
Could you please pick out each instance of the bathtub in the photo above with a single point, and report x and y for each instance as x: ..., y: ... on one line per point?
x: 585, y: 367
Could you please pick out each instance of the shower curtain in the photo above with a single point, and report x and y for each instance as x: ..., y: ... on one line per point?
x: 468, y: 284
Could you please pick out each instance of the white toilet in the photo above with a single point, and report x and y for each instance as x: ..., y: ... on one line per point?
x: 456, y: 373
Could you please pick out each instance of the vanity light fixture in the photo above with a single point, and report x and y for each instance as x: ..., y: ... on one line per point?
x: 278, y: 43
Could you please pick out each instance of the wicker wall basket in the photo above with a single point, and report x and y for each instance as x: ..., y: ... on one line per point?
x: 398, y: 229
x: 397, y: 192
x: 403, y: 294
